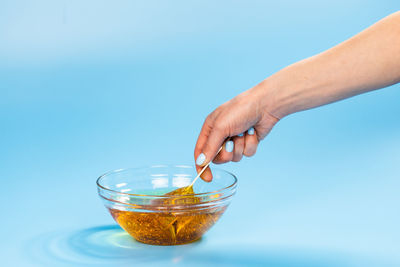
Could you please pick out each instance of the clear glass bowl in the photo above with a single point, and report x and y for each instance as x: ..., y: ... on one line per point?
x: 136, y: 199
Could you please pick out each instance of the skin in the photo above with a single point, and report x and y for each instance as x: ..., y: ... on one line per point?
x: 370, y: 60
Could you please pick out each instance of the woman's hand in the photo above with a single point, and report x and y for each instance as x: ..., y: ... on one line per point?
x: 238, y: 125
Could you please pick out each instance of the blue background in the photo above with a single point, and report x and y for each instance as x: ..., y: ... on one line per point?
x: 91, y: 86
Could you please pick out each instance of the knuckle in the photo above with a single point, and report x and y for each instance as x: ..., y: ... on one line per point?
x: 260, y: 137
x: 225, y: 157
x: 262, y: 131
x: 237, y: 158
x: 221, y: 127
x: 210, y: 116
x: 239, y: 141
x: 249, y: 152
x: 209, y: 120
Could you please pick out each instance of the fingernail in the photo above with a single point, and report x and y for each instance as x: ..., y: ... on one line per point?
x: 200, y: 159
x: 250, y: 131
x: 240, y: 134
x: 229, y: 146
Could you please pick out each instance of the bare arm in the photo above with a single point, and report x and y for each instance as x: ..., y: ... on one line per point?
x: 368, y: 61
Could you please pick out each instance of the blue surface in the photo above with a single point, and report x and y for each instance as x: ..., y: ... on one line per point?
x: 91, y: 86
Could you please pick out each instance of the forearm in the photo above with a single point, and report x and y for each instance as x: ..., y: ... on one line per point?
x: 368, y: 61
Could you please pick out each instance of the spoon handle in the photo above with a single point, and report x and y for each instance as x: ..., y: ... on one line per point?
x: 204, y: 168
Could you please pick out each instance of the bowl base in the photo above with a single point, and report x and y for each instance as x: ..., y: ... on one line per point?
x: 167, y: 228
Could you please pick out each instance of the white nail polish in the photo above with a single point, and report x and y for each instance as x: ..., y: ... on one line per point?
x: 200, y: 159
x: 229, y: 146
x: 250, y: 131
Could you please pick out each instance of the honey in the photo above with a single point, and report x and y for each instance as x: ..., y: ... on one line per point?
x: 169, y: 227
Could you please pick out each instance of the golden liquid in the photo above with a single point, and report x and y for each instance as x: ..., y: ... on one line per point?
x: 165, y: 227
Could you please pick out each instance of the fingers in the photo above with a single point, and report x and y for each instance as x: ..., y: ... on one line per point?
x: 239, y: 148
x: 221, y: 125
x: 201, y: 140
x: 232, y: 150
x: 250, y: 143
x: 226, y: 153
x: 214, y: 141
x: 204, y: 133
x: 206, y: 175
x: 245, y: 144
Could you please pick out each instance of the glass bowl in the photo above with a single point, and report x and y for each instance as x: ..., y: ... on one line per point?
x: 136, y: 200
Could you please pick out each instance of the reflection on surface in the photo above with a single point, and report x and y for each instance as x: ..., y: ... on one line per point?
x: 111, y: 246
x: 99, y: 245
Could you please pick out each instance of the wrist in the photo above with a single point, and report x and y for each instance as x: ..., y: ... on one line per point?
x: 274, y: 96
x: 291, y: 90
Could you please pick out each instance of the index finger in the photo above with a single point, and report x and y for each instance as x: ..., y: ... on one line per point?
x: 201, y: 140
x: 215, y: 138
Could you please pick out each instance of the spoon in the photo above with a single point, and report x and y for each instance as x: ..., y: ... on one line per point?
x: 204, y: 168
x: 188, y: 190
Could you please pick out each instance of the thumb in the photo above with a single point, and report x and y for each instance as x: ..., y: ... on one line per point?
x: 211, y: 148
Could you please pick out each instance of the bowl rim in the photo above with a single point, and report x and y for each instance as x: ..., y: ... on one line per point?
x: 231, y: 186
